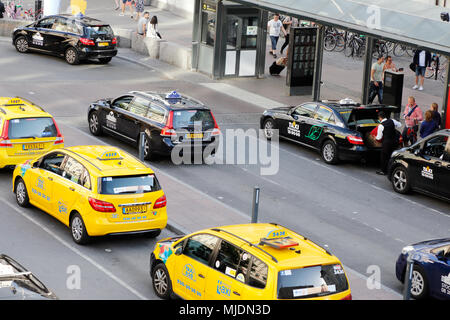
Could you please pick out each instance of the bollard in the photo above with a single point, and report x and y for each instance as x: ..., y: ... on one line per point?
x: 408, y: 278
x: 255, y: 205
x: 141, y: 146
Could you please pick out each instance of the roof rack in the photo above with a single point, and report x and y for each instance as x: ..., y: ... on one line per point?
x: 248, y: 242
x: 304, y: 238
x: 32, y: 103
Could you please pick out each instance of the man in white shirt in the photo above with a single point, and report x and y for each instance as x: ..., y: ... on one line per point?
x: 422, y: 60
x: 388, y: 136
x: 274, y: 27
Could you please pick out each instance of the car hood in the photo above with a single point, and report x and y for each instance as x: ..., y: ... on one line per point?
x: 430, y: 244
x: 279, y: 110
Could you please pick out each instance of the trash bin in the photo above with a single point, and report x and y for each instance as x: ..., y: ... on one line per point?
x: 393, y: 89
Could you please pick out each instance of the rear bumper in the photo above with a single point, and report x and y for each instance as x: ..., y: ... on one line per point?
x: 12, y: 160
x: 166, y: 147
x: 353, y: 153
x: 88, y: 53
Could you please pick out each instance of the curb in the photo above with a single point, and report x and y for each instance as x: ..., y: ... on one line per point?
x: 175, y: 228
x: 142, y: 64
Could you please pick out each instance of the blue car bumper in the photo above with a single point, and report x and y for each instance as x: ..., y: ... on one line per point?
x: 400, y: 267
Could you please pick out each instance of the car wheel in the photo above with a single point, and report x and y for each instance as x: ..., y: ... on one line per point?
x: 400, y: 180
x: 269, y: 128
x: 21, y: 44
x: 105, y: 60
x: 148, y: 153
x: 153, y: 234
x: 22, y: 194
x: 419, y: 285
x: 72, y: 56
x: 329, y: 152
x: 94, y: 124
x: 161, y: 281
x: 78, y: 230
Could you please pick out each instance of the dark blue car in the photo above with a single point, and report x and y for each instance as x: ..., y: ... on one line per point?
x: 431, y: 271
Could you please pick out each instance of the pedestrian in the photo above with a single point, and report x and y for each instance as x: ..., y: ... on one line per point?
x: 413, y: 115
x: 389, y: 65
x: 139, y: 8
x: 142, y: 24
x: 429, y: 125
x: 129, y: 3
x: 2, y: 9
x: 152, y: 29
x: 376, y: 80
x: 117, y: 5
x: 275, y: 27
x: 422, y: 60
x: 436, y: 115
x: 387, y: 134
x: 288, y: 23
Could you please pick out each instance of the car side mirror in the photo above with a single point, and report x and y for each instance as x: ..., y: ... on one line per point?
x: 35, y: 164
x: 416, y: 152
x: 295, y: 116
x: 440, y: 255
x: 178, y: 251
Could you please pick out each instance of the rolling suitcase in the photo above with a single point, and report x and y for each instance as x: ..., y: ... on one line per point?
x: 275, y: 69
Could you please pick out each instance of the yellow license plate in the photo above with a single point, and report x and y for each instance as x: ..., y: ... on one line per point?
x: 194, y: 135
x: 103, y: 44
x: 134, y: 209
x: 33, y: 146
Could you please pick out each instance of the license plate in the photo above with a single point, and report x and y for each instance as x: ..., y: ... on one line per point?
x: 103, y: 44
x: 194, y: 136
x: 134, y: 209
x: 33, y: 146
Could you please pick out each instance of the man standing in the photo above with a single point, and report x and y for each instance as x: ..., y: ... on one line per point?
x: 413, y: 115
x: 376, y: 80
x: 288, y: 23
x: 142, y: 24
x: 274, y: 27
x: 387, y: 134
x: 422, y: 60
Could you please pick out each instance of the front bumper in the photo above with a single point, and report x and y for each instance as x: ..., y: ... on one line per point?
x: 400, y: 267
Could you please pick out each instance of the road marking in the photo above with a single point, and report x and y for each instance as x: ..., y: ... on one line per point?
x: 78, y: 252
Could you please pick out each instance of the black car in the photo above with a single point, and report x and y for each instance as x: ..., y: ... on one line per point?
x: 17, y: 283
x: 168, y: 120
x: 423, y: 167
x: 72, y: 37
x: 339, y: 130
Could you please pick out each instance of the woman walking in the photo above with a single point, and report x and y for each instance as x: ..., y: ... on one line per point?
x: 139, y: 8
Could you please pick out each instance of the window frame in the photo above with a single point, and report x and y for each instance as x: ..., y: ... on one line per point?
x: 303, y: 107
x: 113, y: 106
x: 153, y: 106
x: 64, y: 164
x: 40, y: 162
x: 424, y: 145
x: 213, y: 251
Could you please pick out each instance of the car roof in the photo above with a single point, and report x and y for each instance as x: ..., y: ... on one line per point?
x: 107, y: 160
x: 82, y: 19
x: 186, y: 102
x: 249, y: 236
x: 16, y: 107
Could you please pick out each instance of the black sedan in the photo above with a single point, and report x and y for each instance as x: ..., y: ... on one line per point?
x: 423, y: 167
x: 72, y: 37
x: 338, y: 130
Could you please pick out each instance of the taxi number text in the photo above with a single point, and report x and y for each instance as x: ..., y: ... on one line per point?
x: 33, y: 146
x: 134, y: 209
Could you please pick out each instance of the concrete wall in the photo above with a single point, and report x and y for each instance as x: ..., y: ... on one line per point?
x: 7, y: 26
x: 183, y: 8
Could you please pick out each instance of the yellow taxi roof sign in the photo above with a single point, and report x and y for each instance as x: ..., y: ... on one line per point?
x: 278, y: 239
x: 110, y: 155
x: 15, y: 102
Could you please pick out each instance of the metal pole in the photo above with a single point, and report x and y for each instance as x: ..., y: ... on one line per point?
x: 141, y: 146
x: 318, y: 63
x: 408, y: 278
x: 367, y: 70
x: 255, y: 205
x: 446, y: 102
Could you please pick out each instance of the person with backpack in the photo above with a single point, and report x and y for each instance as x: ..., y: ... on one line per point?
x: 413, y: 116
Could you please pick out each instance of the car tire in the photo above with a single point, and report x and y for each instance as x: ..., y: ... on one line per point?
x: 78, y: 230
x: 161, y: 281
x: 94, y: 124
x: 21, y: 44
x: 329, y: 152
x: 400, y: 180
x: 21, y: 193
x: 71, y: 56
x: 269, y: 127
x: 152, y: 234
x: 148, y: 152
x: 419, y: 283
x: 105, y: 60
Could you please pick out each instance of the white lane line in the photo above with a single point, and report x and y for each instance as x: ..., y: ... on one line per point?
x: 76, y: 251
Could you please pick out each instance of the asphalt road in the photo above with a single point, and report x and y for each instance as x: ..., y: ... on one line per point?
x: 346, y: 207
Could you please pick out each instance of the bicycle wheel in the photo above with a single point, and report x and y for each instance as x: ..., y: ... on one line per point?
x: 399, y: 50
x: 389, y: 46
x: 410, y: 52
x: 340, y: 43
x: 348, y: 51
x: 329, y: 42
x: 430, y: 72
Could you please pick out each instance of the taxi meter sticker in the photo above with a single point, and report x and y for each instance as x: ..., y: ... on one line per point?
x: 314, y: 290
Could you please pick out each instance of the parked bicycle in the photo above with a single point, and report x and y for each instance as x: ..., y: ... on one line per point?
x: 438, y: 68
x: 355, y: 46
x: 334, y: 40
x: 400, y: 50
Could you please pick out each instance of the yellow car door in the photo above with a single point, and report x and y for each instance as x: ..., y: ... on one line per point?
x: 192, y: 267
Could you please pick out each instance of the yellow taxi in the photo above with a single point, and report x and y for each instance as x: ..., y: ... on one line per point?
x: 262, y: 261
x: 26, y: 131
x: 94, y: 190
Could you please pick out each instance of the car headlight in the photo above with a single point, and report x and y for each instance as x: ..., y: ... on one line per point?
x: 407, y: 249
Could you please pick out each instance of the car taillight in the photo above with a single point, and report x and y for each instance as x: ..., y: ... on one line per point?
x: 348, y: 297
x: 59, y: 136
x: 101, y: 206
x: 216, y: 130
x: 355, y: 140
x: 4, y: 139
x: 168, y: 130
x: 114, y: 40
x: 160, y: 203
x: 87, y: 42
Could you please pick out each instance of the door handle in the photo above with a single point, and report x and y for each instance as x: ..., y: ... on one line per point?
x: 448, y: 167
x: 136, y: 122
x: 302, y: 121
x: 71, y: 188
x: 50, y: 178
x: 201, y: 276
x: 236, y: 293
x: 438, y: 164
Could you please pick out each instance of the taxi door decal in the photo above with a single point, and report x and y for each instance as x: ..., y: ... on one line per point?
x: 315, y: 132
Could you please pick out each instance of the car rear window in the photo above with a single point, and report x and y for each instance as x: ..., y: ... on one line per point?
x: 94, y: 31
x: 187, y: 119
x: 129, y: 184
x: 358, y: 117
x: 311, y: 282
x: 31, y: 127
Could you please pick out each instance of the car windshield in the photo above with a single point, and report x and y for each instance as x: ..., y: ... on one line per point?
x: 31, y: 127
x: 94, y: 31
x: 129, y: 184
x: 311, y: 282
x: 189, y: 118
